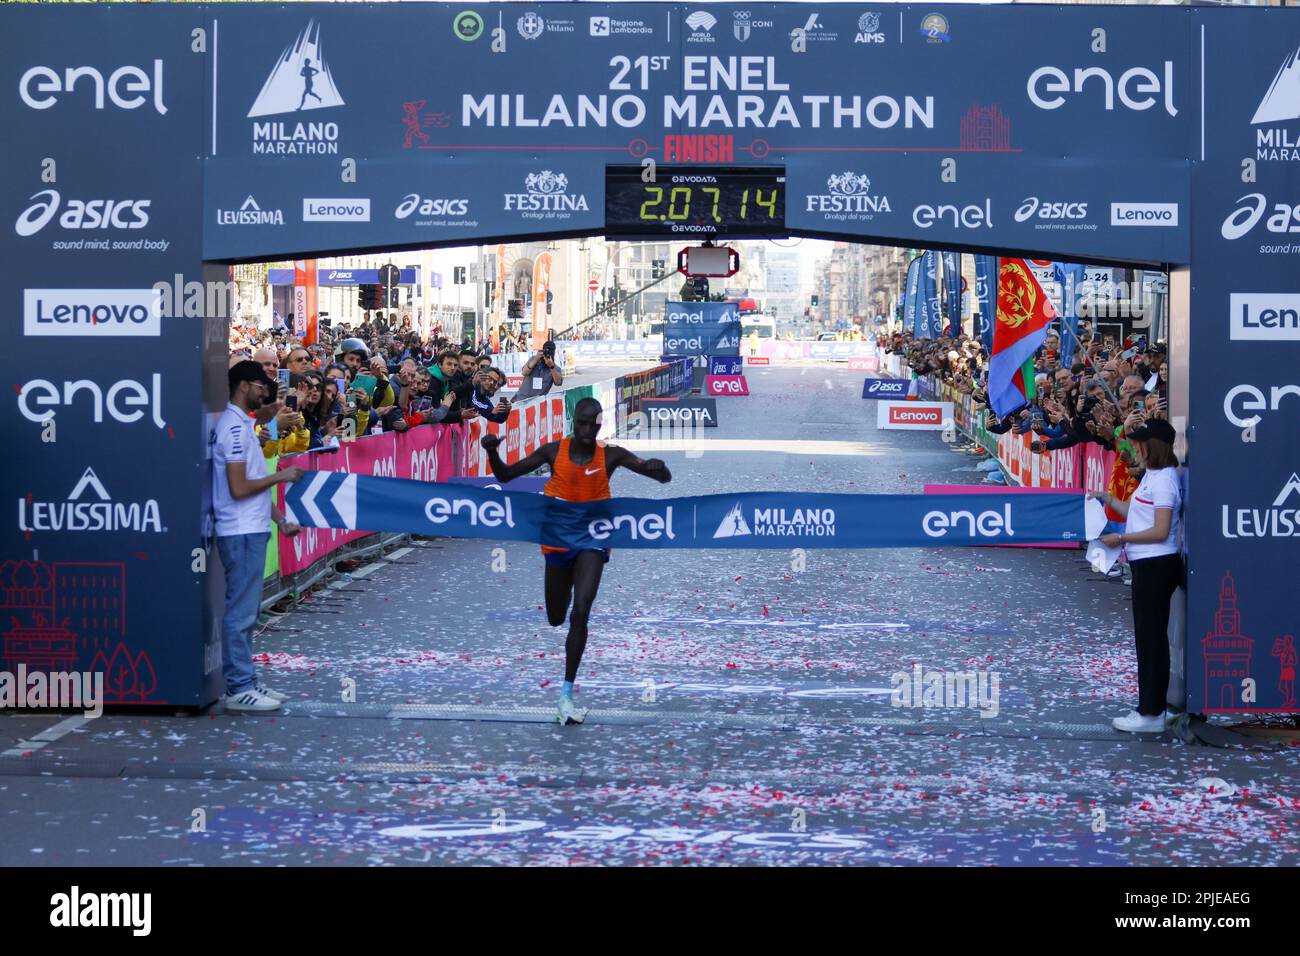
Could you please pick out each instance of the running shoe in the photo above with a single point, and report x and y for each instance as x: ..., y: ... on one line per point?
x: 273, y: 694
x: 569, y: 713
x: 1135, y: 723
x: 250, y: 701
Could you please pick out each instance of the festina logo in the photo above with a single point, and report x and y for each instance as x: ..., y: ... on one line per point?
x: 1282, y: 520
x: 274, y: 138
x: 98, y: 512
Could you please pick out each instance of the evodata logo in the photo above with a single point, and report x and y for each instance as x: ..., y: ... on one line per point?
x: 82, y: 213
x: 98, y: 512
x: 125, y: 87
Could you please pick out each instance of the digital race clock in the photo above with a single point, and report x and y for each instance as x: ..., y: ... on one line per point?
x: 701, y: 201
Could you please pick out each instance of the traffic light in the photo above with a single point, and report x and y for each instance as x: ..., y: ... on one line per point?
x: 515, y: 309
x: 394, y: 297
x: 458, y: 275
x: 550, y: 297
x: 814, y: 300
x: 657, y: 268
x: 370, y: 297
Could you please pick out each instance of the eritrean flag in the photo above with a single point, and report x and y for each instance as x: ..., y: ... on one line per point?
x: 1023, y: 314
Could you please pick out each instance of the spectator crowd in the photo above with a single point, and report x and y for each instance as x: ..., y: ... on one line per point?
x: 384, y: 376
x: 1109, y: 389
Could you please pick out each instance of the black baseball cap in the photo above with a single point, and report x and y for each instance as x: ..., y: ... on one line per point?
x: 250, y: 371
x: 1154, y: 428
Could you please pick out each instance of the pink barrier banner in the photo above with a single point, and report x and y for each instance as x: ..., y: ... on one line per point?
x: 528, y: 428
x: 426, y: 453
x: 938, y: 489
x: 720, y: 385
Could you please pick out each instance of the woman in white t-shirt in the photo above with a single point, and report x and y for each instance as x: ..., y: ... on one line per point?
x: 1151, y: 539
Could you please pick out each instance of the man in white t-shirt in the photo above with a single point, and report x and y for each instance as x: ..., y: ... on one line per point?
x: 244, y: 509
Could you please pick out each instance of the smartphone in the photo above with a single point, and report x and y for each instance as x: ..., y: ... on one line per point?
x: 291, y: 401
x: 366, y: 383
x: 283, y: 375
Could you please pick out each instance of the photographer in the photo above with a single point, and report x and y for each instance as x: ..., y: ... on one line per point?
x: 540, y: 374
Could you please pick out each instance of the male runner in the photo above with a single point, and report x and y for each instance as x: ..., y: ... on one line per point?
x: 580, y: 471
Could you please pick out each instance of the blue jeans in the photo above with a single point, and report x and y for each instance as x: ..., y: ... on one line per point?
x: 244, y: 558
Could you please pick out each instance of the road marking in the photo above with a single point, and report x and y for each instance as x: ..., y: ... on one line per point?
x: 399, y: 553
x: 47, y: 736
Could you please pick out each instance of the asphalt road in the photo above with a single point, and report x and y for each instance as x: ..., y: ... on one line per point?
x: 741, y: 709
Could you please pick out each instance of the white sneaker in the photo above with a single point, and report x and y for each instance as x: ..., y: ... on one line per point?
x: 1135, y: 723
x: 569, y: 713
x: 273, y: 694
x: 1171, y: 716
x: 250, y: 701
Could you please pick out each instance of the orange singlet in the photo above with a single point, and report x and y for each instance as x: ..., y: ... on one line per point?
x: 570, y: 482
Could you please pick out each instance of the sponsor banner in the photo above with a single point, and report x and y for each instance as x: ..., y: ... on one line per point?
x: 526, y: 484
x: 913, y: 416
x: 618, y: 348
x: 746, y: 520
x: 725, y: 365
x: 725, y: 385
x: 681, y: 412
x: 345, y: 277
x: 423, y: 454
x: 886, y: 388
x: 758, y: 360
x: 304, y: 300
x: 940, y: 489
x: 97, y: 313
x: 864, y: 364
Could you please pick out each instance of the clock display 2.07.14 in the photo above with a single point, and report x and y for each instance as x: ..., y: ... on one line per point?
x: 695, y: 201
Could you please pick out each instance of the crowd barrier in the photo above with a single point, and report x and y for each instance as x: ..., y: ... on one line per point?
x: 1083, y: 467
x: 438, y: 453
x: 775, y: 349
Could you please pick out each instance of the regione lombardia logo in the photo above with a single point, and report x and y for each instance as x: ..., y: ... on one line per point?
x: 300, y: 79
